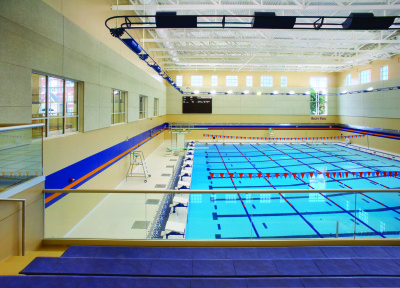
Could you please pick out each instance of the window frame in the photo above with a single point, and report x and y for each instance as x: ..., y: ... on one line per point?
x: 214, y: 80
x: 249, y: 81
x: 232, y: 79
x: 156, y: 110
x: 266, y: 81
x: 315, y: 84
x: 196, y: 79
x: 65, y: 113
x: 145, y: 107
x: 384, y: 73
x: 179, y: 80
x: 121, y: 94
x: 348, y: 79
x: 284, y: 77
x: 365, y: 76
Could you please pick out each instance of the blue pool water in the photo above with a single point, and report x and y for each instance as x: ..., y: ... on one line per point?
x: 290, y: 215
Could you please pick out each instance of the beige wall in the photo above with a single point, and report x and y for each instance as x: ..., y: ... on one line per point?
x: 394, y: 71
x: 70, y: 42
x: 294, y: 79
x: 371, y: 109
x: 64, y: 214
x: 82, y: 145
x: 262, y: 105
x: 10, y: 222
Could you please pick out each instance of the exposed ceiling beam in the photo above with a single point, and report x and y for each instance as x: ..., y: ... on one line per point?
x: 224, y: 7
x: 236, y: 64
x: 281, y: 50
x: 358, y: 41
x: 308, y: 57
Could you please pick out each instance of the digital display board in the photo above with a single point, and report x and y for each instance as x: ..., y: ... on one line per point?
x: 192, y: 104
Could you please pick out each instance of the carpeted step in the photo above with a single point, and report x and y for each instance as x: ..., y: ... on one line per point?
x: 219, y: 268
x: 234, y: 252
x: 194, y: 282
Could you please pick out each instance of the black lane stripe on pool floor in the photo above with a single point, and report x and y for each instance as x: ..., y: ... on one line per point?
x: 305, y: 220
x: 357, y: 218
x: 244, y: 206
x: 315, y: 236
x: 216, y: 215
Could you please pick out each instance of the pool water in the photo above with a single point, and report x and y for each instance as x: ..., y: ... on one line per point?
x: 291, y: 215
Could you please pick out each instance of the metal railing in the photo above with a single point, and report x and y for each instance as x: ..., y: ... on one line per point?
x: 345, y: 191
x: 10, y: 128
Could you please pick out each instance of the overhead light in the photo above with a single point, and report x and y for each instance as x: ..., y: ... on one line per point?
x: 344, y: 91
x: 275, y: 92
x: 230, y: 92
x: 246, y: 92
x: 268, y: 20
x: 171, y: 20
x: 258, y: 93
x: 213, y: 92
x: 196, y: 91
x: 370, y: 88
x: 291, y: 92
x: 308, y: 92
x: 367, y: 21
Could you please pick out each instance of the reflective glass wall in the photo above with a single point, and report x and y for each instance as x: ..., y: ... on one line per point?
x: 20, y: 155
x: 262, y: 215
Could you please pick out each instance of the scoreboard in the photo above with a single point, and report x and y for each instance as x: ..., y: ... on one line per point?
x: 192, y: 104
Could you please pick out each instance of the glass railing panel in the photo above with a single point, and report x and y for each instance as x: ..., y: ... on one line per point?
x: 219, y: 216
x: 20, y: 155
x: 378, y: 215
x: 105, y: 215
x: 300, y: 215
x: 224, y: 215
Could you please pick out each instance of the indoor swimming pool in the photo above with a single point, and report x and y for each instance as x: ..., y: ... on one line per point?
x: 292, y: 215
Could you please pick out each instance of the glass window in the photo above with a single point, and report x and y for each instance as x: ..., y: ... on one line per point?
x: 266, y: 81
x: 232, y: 81
x: 283, y: 81
x: 348, y: 79
x: 155, y: 107
x: 214, y: 80
x: 384, y: 72
x: 365, y: 76
x: 249, y: 81
x: 142, y: 107
x: 55, y: 104
x: 118, y: 107
x: 179, y: 80
x: 318, y: 95
x: 196, y: 80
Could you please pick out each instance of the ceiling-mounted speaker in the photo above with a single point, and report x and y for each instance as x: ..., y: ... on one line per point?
x: 269, y: 20
x: 367, y: 21
x: 171, y: 20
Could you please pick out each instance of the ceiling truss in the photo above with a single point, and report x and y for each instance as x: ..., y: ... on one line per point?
x: 268, y: 50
